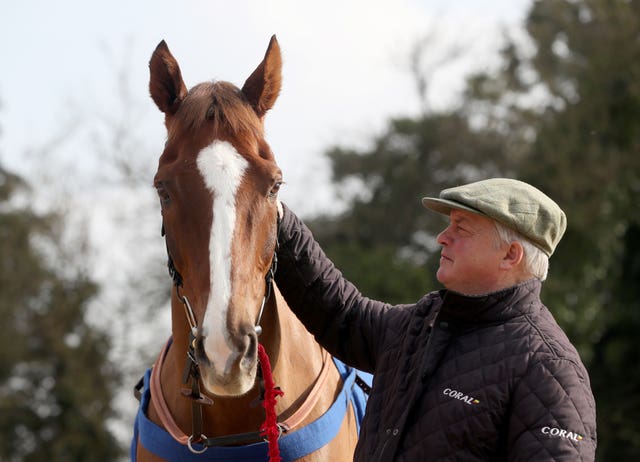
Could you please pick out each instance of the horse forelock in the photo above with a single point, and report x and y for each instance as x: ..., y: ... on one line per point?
x: 221, y: 104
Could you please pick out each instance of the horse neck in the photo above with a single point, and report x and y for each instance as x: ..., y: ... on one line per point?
x: 296, y: 360
x: 295, y: 356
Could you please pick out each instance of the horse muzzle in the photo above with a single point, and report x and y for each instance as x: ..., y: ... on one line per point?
x: 228, y: 365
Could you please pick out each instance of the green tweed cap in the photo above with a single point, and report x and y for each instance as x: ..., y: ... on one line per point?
x: 515, y: 204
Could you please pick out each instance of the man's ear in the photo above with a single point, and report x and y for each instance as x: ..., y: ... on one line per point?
x: 513, y: 256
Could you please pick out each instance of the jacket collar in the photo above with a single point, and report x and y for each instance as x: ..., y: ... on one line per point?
x: 493, y: 307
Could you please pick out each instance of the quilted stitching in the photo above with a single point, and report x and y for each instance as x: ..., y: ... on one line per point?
x: 503, y: 350
x: 525, y: 374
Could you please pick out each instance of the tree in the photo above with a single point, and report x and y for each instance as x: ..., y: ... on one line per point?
x: 584, y: 153
x: 386, y: 241
x: 56, y: 383
x: 563, y: 113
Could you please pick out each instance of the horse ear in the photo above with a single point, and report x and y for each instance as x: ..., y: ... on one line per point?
x: 165, y: 84
x: 263, y: 85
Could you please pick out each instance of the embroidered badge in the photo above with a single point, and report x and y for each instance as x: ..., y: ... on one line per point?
x: 470, y: 400
x: 561, y: 433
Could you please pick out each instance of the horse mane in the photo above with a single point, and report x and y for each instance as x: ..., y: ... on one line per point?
x: 221, y: 104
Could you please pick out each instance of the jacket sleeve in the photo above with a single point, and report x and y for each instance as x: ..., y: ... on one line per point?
x: 552, y: 414
x: 349, y: 325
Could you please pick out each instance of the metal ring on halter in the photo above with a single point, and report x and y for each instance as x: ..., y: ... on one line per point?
x: 194, y: 450
x: 280, y: 432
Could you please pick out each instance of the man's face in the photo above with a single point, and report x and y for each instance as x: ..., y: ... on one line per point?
x: 471, y: 254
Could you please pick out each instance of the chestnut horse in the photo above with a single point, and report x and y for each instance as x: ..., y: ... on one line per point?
x: 218, y: 182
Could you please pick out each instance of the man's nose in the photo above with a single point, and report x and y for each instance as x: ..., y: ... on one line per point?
x: 443, y: 237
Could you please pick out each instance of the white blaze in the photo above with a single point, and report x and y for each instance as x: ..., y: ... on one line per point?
x: 222, y: 169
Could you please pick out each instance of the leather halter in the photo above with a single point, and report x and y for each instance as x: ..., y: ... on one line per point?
x: 169, y: 424
x: 178, y: 282
x: 191, y: 374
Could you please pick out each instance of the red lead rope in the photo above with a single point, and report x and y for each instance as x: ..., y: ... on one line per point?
x: 270, y: 427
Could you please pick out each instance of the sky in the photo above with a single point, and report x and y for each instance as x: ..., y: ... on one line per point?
x: 71, y: 69
x: 74, y: 100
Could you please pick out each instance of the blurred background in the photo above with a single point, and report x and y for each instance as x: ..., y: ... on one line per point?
x: 383, y: 102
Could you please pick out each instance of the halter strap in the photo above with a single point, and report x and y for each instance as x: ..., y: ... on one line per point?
x: 312, y: 398
x: 269, y: 277
x: 170, y: 425
x: 191, y: 369
x: 158, y: 399
x: 293, y: 445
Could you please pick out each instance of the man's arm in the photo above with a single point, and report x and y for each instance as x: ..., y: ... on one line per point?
x: 349, y: 325
x: 553, y: 414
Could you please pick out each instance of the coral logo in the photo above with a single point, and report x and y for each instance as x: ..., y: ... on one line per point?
x: 561, y: 433
x: 461, y: 396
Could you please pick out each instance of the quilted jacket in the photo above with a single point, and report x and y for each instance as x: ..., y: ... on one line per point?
x: 486, y: 378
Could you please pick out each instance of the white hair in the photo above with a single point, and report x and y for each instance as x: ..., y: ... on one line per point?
x: 536, y: 262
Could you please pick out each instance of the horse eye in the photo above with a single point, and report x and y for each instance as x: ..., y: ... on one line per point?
x: 163, y: 194
x: 275, y: 188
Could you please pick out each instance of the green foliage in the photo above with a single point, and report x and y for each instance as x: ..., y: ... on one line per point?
x: 377, y: 270
x: 386, y: 230
x: 55, y: 381
x: 579, y: 142
x: 615, y: 378
x: 585, y: 155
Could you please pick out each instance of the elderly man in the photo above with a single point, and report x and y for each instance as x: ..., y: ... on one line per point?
x: 477, y: 371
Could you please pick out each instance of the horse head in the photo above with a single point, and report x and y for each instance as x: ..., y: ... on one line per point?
x: 217, y: 182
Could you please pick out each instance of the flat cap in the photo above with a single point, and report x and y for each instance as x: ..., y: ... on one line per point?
x: 515, y: 204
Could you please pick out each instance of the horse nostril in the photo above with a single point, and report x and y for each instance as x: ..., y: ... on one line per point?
x: 251, y: 349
